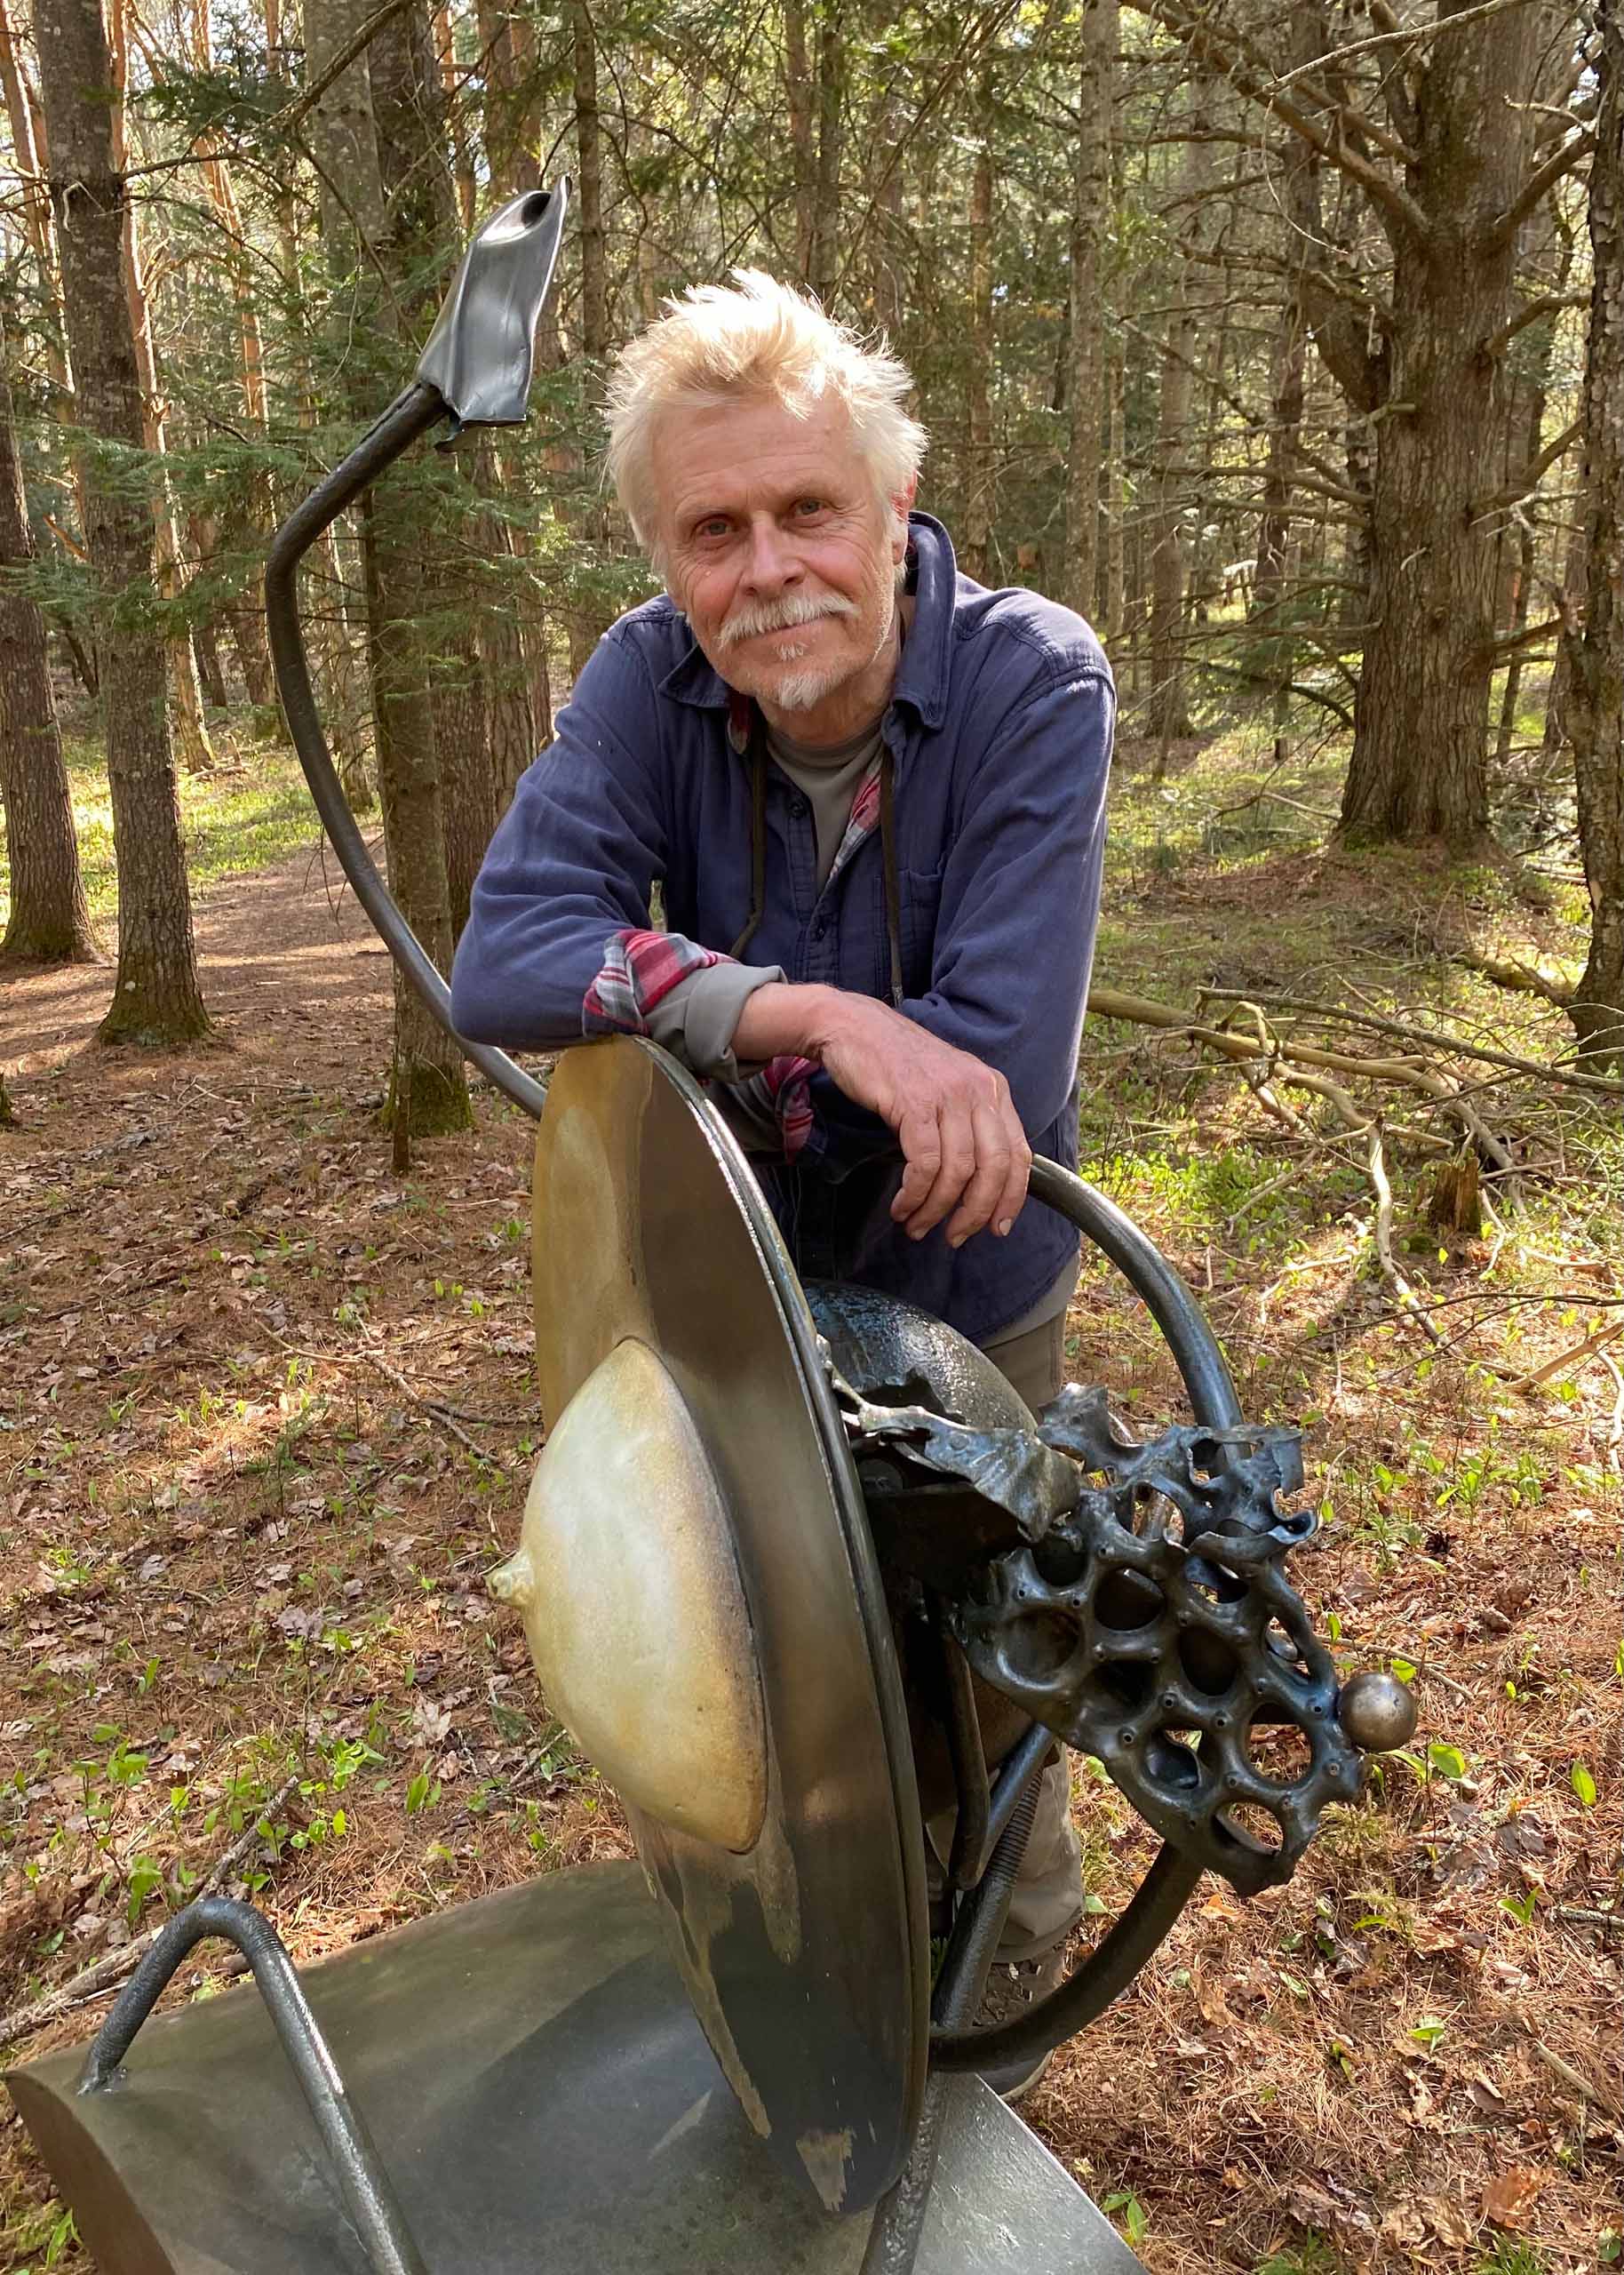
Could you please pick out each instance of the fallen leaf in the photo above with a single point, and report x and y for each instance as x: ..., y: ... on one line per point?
x: 1509, y: 2194
x: 1447, y: 2220
x: 1404, y: 2224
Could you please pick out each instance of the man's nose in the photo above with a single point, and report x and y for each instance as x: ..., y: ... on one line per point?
x: 773, y: 564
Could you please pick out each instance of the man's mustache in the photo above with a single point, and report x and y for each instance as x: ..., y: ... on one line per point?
x: 783, y: 616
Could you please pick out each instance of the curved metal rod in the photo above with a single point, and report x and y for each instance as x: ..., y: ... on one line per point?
x: 1084, y: 1996
x: 1147, y: 1270
x: 373, y: 2204
x: 413, y: 411
x: 899, y: 2217
x: 1162, y: 1895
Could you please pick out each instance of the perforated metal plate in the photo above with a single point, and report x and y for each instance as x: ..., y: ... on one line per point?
x: 805, y: 1957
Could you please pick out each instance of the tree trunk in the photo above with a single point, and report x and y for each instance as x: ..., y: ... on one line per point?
x: 510, y: 111
x: 797, y: 92
x: 205, y: 648
x: 1595, y: 691
x: 468, y: 781
x: 1300, y: 197
x: 49, y: 918
x: 428, y: 1089
x: 589, y: 151
x: 344, y: 136
x: 445, y: 55
x: 1168, y: 715
x: 1086, y: 382
x: 188, y: 726
x: 977, y: 553
x: 1419, y: 767
x: 825, y: 262
x: 1116, y: 497
x: 156, y: 997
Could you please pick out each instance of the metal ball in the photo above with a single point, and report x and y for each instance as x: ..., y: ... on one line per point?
x: 1377, y: 1711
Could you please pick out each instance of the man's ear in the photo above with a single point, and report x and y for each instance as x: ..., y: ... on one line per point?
x: 902, y: 506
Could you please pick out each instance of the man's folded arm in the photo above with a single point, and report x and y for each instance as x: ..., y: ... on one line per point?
x: 1019, y: 910
x: 570, y: 866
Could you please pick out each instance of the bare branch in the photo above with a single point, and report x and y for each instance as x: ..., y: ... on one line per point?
x: 1396, y: 208
x: 1561, y: 161
x: 1520, y: 484
x: 1406, y: 36
x: 1548, y: 304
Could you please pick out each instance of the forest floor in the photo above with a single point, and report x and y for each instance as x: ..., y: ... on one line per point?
x: 266, y: 1418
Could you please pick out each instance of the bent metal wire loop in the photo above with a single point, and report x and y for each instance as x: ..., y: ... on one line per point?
x: 368, y: 2192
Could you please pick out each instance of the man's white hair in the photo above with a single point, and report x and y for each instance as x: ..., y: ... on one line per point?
x: 754, y: 338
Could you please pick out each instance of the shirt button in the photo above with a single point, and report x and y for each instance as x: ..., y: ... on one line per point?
x: 820, y: 925
x: 799, y: 807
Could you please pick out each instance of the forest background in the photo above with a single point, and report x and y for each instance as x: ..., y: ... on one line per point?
x: 1287, y: 342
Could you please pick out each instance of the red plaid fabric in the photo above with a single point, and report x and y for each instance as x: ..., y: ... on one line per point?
x: 786, y: 1082
x: 864, y: 818
x: 639, y: 969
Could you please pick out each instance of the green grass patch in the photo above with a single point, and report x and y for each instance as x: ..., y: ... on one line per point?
x: 253, y: 810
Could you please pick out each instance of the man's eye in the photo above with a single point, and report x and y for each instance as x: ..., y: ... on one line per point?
x: 809, y: 506
x: 717, y: 526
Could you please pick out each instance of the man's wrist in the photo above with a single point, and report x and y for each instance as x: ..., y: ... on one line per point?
x: 789, y: 1016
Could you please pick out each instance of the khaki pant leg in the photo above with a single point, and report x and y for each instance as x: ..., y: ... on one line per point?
x: 1048, y: 1896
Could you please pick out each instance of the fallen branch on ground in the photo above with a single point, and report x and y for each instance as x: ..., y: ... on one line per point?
x: 110, y: 1970
x: 1288, y: 1059
x: 1521, y: 978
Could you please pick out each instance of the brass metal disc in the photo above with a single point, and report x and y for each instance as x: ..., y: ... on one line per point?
x: 806, y: 1956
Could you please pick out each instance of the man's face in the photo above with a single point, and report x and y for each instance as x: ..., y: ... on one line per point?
x: 782, y: 558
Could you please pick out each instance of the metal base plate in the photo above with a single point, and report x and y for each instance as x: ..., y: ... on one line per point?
x: 544, y: 2100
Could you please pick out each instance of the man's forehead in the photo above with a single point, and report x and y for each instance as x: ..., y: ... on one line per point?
x: 753, y: 443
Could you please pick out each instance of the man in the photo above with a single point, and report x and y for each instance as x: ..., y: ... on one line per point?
x: 872, y: 795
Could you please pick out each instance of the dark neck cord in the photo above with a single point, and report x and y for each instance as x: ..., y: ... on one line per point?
x: 758, y: 853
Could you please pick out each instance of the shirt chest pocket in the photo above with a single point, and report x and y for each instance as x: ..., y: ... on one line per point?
x: 920, y: 893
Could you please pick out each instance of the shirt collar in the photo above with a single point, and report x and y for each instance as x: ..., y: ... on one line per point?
x: 923, y: 676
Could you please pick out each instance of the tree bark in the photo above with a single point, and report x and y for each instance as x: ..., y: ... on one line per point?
x: 428, y: 1090
x: 509, y: 111
x: 797, y: 91
x: 157, y: 998
x: 825, y: 258
x: 344, y: 136
x: 977, y: 553
x: 49, y: 918
x: 589, y: 152
x: 1168, y: 714
x: 1300, y: 197
x: 1086, y: 386
x: 1595, y: 659
x: 188, y: 726
x: 1420, y: 766
x: 468, y: 781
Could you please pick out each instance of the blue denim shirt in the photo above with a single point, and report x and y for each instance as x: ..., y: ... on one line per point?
x: 1000, y: 727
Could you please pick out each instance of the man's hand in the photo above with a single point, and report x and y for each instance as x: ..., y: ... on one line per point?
x: 961, y: 1138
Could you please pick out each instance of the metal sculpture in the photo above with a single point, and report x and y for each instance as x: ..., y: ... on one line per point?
x: 781, y: 1542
